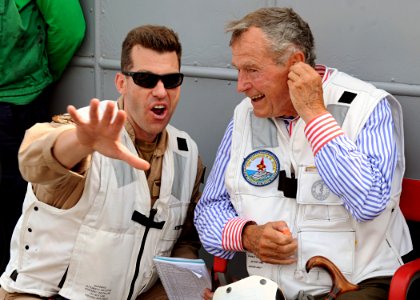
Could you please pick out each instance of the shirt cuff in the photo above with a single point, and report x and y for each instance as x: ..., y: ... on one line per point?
x: 322, y: 129
x: 232, y: 234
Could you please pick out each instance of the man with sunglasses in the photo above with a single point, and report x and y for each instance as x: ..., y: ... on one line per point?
x: 112, y: 185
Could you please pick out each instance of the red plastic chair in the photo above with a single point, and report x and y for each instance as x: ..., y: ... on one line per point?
x: 218, y: 272
x: 406, y: 281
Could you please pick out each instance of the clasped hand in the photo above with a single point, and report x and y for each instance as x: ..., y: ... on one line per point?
x: 271, y: 243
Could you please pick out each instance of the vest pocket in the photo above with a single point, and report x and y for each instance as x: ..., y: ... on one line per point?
x: 313, y: 190
x: 324, y: 228
x: 326, y: 213
x: 176, y: 218
x: 89, y: 258
x: 338, y: 246
x: 177, y: 212
x: 317, y: 203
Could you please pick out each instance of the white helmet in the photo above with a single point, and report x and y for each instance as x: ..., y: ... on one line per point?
x: 250, y: 288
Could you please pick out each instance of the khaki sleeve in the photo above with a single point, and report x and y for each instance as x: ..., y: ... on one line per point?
x: 52, y: 182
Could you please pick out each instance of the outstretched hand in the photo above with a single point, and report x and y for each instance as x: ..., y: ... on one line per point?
x: 102, y: 134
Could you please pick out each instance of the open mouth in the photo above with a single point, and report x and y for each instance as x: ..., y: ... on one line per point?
x: 257, y: 97
x: 159, y: 110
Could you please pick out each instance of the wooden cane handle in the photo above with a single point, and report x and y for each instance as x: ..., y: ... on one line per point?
x: 340, y: 284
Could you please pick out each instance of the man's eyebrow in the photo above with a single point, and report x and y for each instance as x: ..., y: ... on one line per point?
x: 245, y: 66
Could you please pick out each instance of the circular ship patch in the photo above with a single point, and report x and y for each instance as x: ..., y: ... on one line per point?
x: 260, y: 168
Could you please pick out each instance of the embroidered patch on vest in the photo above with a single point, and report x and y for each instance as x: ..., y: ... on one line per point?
x: 320, y: 190
x: 260, y: 168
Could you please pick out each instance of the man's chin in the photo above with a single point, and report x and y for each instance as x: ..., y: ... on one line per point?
x: 261, y: 114
x: 158, y: 127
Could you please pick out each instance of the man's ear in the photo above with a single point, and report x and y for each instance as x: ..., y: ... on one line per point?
x: 297, y: 56
x: 120, y: 82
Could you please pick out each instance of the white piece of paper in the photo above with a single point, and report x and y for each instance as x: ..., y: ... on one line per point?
x: 183, y: 278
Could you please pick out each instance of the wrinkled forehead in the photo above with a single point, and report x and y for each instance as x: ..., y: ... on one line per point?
x: 251, y: 50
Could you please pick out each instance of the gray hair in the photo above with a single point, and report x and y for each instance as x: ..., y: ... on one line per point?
x: 285, y: 30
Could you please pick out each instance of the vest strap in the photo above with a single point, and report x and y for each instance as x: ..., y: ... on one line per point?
x: 63, y: 279
x: 147, y: 221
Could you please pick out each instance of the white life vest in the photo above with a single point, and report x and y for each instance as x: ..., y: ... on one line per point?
x: 316, y: 217
x: 102, y: 248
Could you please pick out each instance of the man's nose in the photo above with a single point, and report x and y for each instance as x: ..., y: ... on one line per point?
x: 243, y: 83
x: 159, y: 90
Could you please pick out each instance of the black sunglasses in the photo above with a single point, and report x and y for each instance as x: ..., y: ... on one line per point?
x: 149, y: 80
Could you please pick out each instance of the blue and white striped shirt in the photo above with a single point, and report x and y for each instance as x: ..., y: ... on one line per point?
x: 359, y: 173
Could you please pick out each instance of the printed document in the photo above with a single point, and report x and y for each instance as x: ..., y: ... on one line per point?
x: 183, y: 278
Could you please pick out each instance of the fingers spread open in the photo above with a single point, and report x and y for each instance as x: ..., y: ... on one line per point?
x: 108, y: 114
x: 74, y: 114
x: 93, y: 112
x: 133, y: 160
x: 119, y: 122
